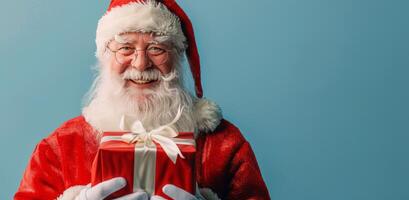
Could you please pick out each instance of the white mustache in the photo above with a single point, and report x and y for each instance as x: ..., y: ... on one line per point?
x: 147, y: 75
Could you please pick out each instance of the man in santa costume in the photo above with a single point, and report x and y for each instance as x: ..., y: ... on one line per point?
x: 140, y: 49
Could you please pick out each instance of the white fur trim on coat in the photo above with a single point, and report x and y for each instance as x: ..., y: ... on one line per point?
x: 149, y: 16
x: 208, y: 115
x: 71, y: 193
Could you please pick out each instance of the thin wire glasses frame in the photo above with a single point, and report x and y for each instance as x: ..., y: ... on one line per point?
x: 157, y: 54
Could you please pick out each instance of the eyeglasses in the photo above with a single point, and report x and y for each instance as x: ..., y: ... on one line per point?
x: 156, y: 53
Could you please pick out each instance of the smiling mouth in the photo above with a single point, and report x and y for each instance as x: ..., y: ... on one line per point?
x: 141, y: 82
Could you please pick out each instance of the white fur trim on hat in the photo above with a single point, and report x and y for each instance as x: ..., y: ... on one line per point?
x: 208, y: 115
x: 148, y: 16
x: 71, y: 193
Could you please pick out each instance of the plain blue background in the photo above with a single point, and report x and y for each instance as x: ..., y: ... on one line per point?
x: 318, y: 87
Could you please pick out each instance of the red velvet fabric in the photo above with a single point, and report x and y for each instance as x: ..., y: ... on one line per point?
x: 225, y: 163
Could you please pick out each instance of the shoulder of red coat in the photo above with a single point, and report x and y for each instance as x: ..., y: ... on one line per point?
x: 71, y: 132
x: 74, y: 126
x: 226, y: 133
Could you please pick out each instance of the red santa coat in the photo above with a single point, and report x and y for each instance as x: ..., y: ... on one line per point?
x: 225, y: 163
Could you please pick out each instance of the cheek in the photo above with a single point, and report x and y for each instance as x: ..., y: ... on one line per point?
x: 166, y: 68
x: 115, y: 67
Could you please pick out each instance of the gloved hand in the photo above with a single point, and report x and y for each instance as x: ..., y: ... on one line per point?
x: 104, y: 189
x: 175, y: 193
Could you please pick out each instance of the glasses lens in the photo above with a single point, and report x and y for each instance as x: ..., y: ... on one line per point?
x: 157, y: 57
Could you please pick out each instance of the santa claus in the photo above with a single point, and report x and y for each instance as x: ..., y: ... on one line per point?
x: 140, y: 49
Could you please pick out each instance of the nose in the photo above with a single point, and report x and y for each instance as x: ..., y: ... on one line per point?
x: 141, y: 61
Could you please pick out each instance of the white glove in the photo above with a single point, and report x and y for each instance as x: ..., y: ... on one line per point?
x: 175, y: 193
x: 104, y: 189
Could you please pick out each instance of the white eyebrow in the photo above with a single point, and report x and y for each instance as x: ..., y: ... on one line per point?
x: 162, y: 38
x: 121, y: 40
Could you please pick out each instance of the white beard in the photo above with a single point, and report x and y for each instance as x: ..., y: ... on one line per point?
x: 109, y: 100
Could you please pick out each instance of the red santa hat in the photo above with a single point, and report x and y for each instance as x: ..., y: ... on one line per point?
x: 163, y: 17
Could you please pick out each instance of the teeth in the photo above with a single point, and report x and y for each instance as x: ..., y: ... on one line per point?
x: 139, y: 81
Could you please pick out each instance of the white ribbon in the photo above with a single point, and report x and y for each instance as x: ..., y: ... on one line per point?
x: 163, y: 135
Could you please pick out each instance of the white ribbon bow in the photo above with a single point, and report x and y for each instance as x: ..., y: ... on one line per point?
x: 163, y: 135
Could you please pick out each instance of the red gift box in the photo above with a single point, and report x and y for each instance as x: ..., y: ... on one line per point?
x: 145, y: 167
